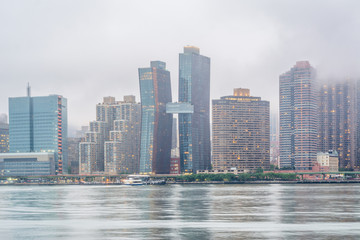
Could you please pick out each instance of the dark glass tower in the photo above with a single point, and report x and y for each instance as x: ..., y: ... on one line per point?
x: 194, y: 128
x: 156, y: 124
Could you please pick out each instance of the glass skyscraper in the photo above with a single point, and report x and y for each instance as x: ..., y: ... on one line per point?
x: 298, y: 117
x: 156, y: 124
x: 194, y: 128
x: 39, y: 124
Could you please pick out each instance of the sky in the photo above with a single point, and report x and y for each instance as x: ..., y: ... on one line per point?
x: 85, y: 50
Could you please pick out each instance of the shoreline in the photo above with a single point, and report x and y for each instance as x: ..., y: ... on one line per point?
x: 197, y: 183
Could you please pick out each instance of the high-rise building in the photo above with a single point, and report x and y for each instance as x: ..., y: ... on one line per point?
x: 156, y: 124
x: 39, y: 124
x: 122, y: 150
x: 194, y: 128
x: 241, y: 132
x: 338, y: 120
x: 357, y: 163
x: 4, y: 134
x: 274, y: 139
x: 298, y: 117
x: 113, y: 142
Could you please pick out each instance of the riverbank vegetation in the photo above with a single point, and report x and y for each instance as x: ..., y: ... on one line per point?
x: 242, y: 177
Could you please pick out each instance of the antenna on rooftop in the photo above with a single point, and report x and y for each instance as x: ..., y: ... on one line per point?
x: 28, y: 90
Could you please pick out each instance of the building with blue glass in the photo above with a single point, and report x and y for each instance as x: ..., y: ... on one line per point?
x: 194, y: 128
x: 156, y: 124
x: 39, y: 124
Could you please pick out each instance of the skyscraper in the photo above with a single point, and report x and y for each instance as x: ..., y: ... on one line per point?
x: 194, y: 128
x: 156, y: 124
x: 298, y: 117
x: 338, y: 120
x: 241, y: 132
x: 39, y: 124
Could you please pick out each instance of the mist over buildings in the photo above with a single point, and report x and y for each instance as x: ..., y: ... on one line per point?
x: 85, y: 50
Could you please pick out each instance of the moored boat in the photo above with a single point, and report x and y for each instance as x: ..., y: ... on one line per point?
x: 135, y: 180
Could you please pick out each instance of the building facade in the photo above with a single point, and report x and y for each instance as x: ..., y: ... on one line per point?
x: 39, y: 124
x: 241, y: 132
x: 328, y: 161
x: 73, y: 154
x: 194, y: 128
x: 4, y: 137
x: 112, y: 143
x: 156, y: 124
x: 338, y: 121
x: 122, y: 150
x: 298, y: 117
x: 27, y: 164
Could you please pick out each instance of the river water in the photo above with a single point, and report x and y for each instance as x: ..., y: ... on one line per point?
x: 252, y: 211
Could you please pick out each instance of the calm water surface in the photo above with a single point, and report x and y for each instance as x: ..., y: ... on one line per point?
x: 181, y: 212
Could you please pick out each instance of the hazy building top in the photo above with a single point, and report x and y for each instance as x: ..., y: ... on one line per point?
x: 158, y: 64
x: 3, y: 118
x: 242, y: 92
x: 109, y: 100
x: 191, y: 49
x: 129, y: 99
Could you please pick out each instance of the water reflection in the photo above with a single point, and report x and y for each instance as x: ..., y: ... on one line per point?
x: 180, y: 212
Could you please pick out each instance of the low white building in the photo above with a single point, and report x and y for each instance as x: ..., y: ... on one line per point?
x: 328, y: 160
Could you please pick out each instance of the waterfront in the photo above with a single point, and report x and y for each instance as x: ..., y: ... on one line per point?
x: 268, y: 211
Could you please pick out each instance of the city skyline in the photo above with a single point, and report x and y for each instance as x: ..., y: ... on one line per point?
x: 57, y: 51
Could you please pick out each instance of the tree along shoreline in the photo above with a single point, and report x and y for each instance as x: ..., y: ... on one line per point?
x: 242, y: 177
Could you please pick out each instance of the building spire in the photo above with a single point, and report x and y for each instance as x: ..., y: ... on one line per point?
x: 28, y: 90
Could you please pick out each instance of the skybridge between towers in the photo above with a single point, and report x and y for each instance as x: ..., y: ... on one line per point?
x: 182, y: 107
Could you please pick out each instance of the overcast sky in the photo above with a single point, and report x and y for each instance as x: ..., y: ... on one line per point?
x: 85, y: 50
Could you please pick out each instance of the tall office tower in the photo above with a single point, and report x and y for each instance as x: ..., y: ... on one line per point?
x: 123, y: 147
x: 39, y: 124
x: 241, y: 132
x: 156, y: 124
x: 194, y: 128
x: 4, y: 134
x: 298, y: 117
x: 338, y: 121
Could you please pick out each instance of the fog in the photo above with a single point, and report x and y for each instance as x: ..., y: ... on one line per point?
x: 85, y: 50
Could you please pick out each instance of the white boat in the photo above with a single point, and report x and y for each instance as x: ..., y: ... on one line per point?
x: 135, y: 180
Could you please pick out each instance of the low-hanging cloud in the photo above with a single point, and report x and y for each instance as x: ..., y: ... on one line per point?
x: 85, y: 50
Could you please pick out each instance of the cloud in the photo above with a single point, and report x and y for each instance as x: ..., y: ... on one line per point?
x: 85, y: 50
